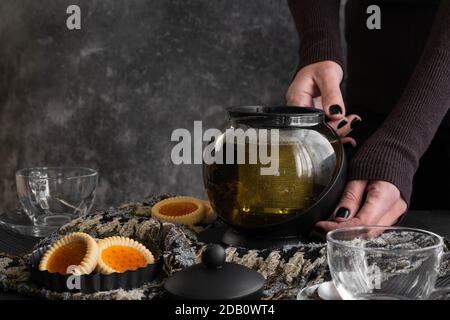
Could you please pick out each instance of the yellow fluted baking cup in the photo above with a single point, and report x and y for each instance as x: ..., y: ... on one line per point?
x: 184, y: 210
x: 121, y: 254
x: 76, y: 253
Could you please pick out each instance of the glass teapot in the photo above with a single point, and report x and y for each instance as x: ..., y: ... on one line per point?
x: 285, y: 196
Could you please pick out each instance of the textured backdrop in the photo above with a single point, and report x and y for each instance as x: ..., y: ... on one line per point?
x: 109, y: 95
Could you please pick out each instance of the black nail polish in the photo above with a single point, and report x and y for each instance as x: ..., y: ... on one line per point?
x: 335, y: 109
x: 341, y: 124
x: 342, y: 213
x: 355, y: 123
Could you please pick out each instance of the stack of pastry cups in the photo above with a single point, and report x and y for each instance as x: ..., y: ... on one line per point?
x: 92, y: 259
x: 88, y: 273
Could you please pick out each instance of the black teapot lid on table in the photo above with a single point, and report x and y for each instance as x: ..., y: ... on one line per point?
x: 215, y: 279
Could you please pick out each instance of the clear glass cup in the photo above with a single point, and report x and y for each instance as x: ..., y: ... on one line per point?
x: 379, y: 263
x: 53, y: 196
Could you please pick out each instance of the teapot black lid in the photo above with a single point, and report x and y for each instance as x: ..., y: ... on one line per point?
x: 280, y: 116
x: 215, y: 279
x: 274, y: 110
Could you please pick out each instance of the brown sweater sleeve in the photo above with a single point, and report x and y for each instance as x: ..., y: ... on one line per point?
x: 392, y: 153
x: 317, y: 23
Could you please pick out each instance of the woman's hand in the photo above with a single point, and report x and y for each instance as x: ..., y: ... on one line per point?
x: 318, y: 85
x: 366, y: 203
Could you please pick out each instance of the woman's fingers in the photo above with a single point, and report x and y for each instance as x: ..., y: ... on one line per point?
x: 351, y: 200
x: 380, y: 198
x: 326, y: 226
x: 345, y: 125
x: 301, y: 99
x: 347, y: 208
x: 383, y: 206
x: 332, y: 100
x: 349, y: 140
x: 318, y: 79
x: 392, y: 216
x: 301, y: 92
x: 317, y: 102
x: 388, y: 219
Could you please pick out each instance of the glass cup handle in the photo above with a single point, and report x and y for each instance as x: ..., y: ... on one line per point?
x: 445, y: 258
x: 442, y: 286
x: 40, y: 189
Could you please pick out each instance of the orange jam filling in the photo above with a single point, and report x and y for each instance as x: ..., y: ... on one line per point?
x: 70, y: 254
x: 178, y: 209
x: 122, y: 258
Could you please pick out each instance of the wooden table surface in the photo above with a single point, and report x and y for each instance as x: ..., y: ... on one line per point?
x: 435, y: 221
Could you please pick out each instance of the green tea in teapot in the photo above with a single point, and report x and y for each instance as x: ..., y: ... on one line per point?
x: 242, y: 196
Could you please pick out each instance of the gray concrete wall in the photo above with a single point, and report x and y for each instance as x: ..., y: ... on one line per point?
x: 109, y: 95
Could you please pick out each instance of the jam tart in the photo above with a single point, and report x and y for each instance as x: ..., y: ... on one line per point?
x: 120, y: 254
x: 183, y: 210
x: 76, y: 253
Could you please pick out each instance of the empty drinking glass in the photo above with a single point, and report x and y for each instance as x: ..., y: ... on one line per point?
x: 53, y: 196
x: 384, y: 262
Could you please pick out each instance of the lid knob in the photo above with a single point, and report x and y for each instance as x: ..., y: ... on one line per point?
x: 214, y: 256
x: 215, y: 279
